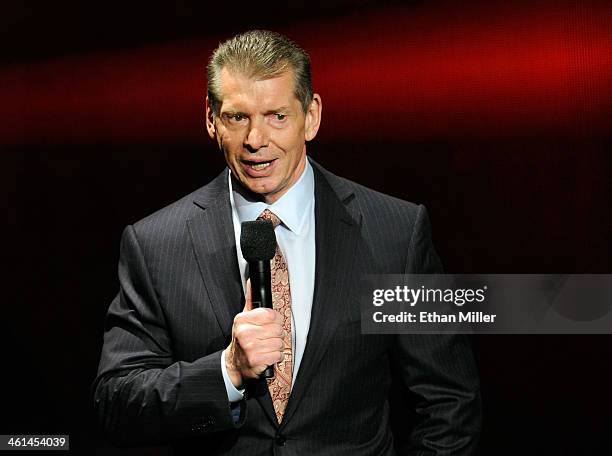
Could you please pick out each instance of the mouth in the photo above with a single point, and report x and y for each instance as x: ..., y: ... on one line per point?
x: 258, y: 165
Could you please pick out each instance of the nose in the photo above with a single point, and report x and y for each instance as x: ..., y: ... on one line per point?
x: 257, y: 136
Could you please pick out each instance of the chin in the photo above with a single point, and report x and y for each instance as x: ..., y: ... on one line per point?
x: 262, y: 186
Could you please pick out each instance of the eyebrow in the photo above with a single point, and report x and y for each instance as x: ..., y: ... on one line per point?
x: 232, y: 112
x: 279, y: 109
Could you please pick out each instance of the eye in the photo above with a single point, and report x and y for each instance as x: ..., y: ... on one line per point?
x: 234, y: 118
x: 280, y: 116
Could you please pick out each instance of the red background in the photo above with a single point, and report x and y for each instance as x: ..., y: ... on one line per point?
x: 496, y: 115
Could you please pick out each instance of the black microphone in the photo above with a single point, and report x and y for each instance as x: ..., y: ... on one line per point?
x: 258, y: 245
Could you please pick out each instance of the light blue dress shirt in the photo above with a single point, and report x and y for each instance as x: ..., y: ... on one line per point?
x: 296, y: 239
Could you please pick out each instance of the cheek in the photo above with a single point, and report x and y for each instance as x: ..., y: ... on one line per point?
x: 228, y: 142
x: 290, y: 139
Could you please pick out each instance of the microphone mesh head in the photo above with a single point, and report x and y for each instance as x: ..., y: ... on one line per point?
x: 257, y: 240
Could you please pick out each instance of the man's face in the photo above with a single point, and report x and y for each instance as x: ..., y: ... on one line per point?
x: 262, y: 130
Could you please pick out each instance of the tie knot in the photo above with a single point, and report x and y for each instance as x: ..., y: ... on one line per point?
x: 269, y: 215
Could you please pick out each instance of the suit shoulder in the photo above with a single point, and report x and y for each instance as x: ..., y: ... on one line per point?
x: 173, y: 213
x: 386, y: 201
x: 376, y: 201
x: 388, y: 224
x: 172, y: 219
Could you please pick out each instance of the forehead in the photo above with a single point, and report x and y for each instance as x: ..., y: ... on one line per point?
x: 240, y: 92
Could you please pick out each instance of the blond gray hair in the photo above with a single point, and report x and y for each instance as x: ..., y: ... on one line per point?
x: 260, y: 54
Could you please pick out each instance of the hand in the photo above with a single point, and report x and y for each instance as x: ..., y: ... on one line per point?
x: 257, y: 342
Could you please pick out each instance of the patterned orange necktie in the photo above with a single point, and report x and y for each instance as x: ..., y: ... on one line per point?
x: 280, y: 385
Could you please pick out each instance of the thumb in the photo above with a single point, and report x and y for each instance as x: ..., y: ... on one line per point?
x: 248, y: 304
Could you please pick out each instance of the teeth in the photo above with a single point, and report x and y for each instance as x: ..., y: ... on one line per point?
x: 260, y: 165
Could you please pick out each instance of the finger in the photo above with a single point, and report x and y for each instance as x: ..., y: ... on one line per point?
x: 261, y: 316
x: 262, y: 360
x: 248, y: 303
x: 278, y: 318
x: 271, y: 344
x: 248, y: 332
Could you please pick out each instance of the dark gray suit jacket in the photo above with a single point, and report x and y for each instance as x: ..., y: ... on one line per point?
x: 160, y: 372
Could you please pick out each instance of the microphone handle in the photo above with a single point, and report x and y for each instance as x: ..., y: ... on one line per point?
x: 261, y: 292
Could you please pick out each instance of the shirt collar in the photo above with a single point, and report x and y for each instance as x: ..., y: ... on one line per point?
x: 291, y: 208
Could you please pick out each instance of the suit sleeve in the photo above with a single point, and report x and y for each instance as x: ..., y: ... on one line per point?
x: 439, y: 372
x: 143, y: 395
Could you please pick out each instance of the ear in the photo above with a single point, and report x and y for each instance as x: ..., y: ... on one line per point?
x: 210, y: 121
x: 313, y: 118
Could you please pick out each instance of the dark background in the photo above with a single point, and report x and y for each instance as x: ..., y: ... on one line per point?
x: 497, y: 117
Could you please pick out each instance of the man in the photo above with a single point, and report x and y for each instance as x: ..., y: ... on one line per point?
x: 182, y: 363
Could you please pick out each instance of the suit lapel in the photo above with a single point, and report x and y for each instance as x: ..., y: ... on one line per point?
x: 337, y: 234
x: 212, y: 235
